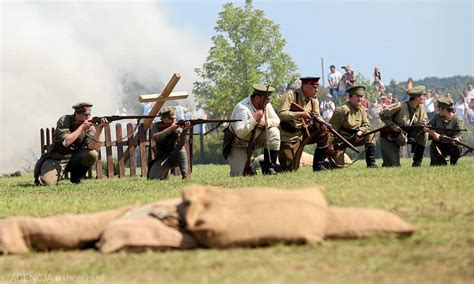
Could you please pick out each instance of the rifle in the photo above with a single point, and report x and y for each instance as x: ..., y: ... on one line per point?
x: 248, y: 171
x: 385, y: 131
x: 342, y: 146
x: 452, y: 140
x: 110, y: 118
x: 161, y: 125
x: 296, y: 107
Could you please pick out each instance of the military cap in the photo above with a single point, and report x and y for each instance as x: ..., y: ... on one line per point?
x: 445, y: 103
x: 82, y: 108
x: 168, y: 112
x: 416, y: 91
x: 263, y: 90
x: 310, y: 81
x: 356, y: 90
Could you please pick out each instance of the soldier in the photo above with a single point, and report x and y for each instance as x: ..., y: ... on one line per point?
x: 442, y: 144
x: 398, y: 116
x: 291, y: 126
x: 351, y: 121
x: 256, y: 114
x: 170, y: 153
x: 73, y: 148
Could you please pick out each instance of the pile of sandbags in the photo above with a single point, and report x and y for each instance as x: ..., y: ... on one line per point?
x: 205, y: 216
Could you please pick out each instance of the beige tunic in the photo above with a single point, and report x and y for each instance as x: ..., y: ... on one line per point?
x: 291, y: 118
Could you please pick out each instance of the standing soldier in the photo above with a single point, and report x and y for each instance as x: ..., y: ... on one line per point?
x: 256, y: 114
x: 404, y: 115
x: 292, y: 124
x: 73, y: 148
x: 170, y: 152
x: 351, y: 121
x: 442, y: 144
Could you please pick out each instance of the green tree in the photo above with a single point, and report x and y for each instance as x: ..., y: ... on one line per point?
x: 247, y: 49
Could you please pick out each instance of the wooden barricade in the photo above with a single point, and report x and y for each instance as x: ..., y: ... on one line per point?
x: 139, y: 146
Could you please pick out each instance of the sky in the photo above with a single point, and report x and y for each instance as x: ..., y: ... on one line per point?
x: 415, y: 39
x: 57, y: 53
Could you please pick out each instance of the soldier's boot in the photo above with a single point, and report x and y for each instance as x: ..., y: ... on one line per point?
x: 370, y: 156
x: 78, y: 173
x: 185, y: 175
x: 269, y: 162
x: 318, y: 160
x: 418, y: 156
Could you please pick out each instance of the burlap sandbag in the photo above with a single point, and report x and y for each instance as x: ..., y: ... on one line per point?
x: 348, y: 223
x: 139, y: 233
x: 154, y: 226
x: 20, y: 234
x: 256, y: 216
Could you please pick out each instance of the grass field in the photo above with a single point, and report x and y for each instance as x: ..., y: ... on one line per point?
x: 438, y: 201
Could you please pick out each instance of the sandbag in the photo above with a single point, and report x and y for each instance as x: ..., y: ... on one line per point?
x: 140, y: 233
x: 20, y: 234
x: 348, y: 223
x: 155, y: 226
x: 255, y: 216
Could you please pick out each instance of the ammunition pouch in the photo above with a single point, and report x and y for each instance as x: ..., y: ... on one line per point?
x: 288, y: 126
x: 227, y: 143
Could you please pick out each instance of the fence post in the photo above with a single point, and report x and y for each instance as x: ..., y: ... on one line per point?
x: 142, y: 148
x: 121, y: 163
x: 131, y: 150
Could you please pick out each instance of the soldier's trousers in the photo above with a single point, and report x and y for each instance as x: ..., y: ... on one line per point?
x: 238, y: 153
x: 51, y: 170
x: 440, y: 151
x: 338, y: 158
x: 160, y: 168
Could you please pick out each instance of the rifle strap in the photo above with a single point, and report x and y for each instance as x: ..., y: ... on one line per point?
x: 411, y: 113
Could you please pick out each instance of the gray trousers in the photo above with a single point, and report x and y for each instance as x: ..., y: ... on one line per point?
x: 161, y: 166
x: 51, y: 170
x: 238, y: 153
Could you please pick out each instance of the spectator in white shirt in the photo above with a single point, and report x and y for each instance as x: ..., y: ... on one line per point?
x: 327, y: 108
x: 333, y: 79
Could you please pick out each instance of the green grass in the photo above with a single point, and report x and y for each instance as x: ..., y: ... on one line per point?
x: 438, y: 201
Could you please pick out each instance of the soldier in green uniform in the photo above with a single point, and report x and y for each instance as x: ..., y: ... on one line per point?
x: 397, y: 116
x: 351, y: 121
x: 170, y: 152
x: 442, y: 144
x: 73, y: 148
x: 291, y: 124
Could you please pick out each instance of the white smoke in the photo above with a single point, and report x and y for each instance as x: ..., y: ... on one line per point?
x: 55, y: 54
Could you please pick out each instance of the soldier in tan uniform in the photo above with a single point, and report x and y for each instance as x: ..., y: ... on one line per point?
x: 351, y: 121
x: 73, y: 148
x: 396, y: 117
x: 169, y: 149
x: 442, y: 144
x: 291, y: 125
x: 255, y: 112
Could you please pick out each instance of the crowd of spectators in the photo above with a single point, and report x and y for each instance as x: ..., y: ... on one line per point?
x: 339, y: 83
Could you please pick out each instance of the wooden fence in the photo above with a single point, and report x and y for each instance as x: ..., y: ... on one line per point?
x: 139, y: 147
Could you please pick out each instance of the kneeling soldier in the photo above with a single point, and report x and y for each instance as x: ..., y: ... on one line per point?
x: 293, y: 123
x: 169, y: 149
x: 406, y: 122
x: 256, y: 116
x: 442, y: 144
x: 351, y: 121
x: 73, y: 148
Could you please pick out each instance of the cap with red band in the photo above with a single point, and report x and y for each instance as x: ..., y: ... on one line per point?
x: 310, y: 81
